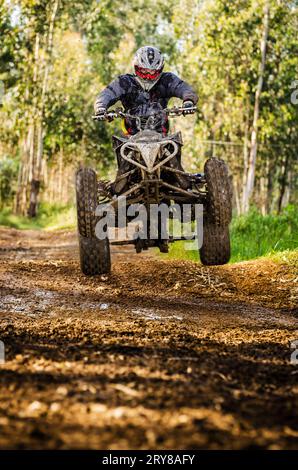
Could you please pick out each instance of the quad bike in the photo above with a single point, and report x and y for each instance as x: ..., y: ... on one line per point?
x: 150, y: 172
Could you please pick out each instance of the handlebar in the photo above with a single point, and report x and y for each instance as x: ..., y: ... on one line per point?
x: 172, y: 112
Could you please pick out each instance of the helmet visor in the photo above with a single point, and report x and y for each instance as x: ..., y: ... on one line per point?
x: 147, y: 74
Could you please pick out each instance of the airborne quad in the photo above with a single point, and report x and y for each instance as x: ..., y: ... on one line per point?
x: 150, y: 172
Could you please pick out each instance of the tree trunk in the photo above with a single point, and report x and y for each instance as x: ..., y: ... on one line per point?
x: 283, y: 183
x: 254, y: 134
x: 34, y: 191
x: 263, y: 194
x: 60, y: 175
x: 27, y: 147
x: 21, y: 188
x: 236, y: 194
x: 287, y: 194
x: 37, y: 162
x: 271, y: 173
x: 245, y: 152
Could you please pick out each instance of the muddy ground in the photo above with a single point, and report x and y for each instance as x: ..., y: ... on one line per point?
x: 159, y: 354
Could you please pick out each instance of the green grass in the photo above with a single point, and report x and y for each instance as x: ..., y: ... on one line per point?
x: 289, y: 257
x: 50, y: 217
x: 254, y: 235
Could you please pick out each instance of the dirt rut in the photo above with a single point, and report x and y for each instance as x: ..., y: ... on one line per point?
x: 158, y: 354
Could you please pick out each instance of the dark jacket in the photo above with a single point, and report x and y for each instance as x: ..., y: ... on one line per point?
x: 135, y: 100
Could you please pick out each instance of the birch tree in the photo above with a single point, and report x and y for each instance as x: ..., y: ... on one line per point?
x: 249, y: 184
x: 57, y: 55
x: 35, y: 95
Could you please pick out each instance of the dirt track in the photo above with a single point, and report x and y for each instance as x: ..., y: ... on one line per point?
x: 158, y: 354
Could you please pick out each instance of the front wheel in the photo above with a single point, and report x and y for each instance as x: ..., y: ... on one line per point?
x: 94, y: 253
x: 216, y: 248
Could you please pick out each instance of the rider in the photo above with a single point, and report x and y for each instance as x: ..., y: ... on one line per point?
x: 147, y: 90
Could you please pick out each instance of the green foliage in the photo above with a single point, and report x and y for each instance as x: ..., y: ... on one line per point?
x: 219, y: 52
x: 289, y: 257
x: 8, y: 175
x: 50, y: 217
x: 10, y: 54
x: 254, y: 235
x: 214, y: 44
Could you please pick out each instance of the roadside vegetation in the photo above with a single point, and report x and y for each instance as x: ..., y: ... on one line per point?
x: 240, y: 57
x: 254, y: 235
x: 50, y: 217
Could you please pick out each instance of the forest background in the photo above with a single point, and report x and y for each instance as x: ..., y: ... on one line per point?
x: 240, y: 56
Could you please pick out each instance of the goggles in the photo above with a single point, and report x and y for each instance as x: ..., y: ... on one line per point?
x: 147, y: 74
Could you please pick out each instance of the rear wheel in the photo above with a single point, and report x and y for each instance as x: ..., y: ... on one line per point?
x: 94, y: 253
x: 219, y: 192
x: 216, y: 248
x: 216, y: 245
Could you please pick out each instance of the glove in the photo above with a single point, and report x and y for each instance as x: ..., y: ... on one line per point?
x: 188, y: 104
x: 100, y: 111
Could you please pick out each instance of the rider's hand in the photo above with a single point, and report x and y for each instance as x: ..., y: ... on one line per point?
x: 99, y: 111
x: 186, y: 105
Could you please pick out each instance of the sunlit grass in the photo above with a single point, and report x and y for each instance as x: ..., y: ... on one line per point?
x: 254, y: 235
x: 54, y: 217
x: 289, y: 257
